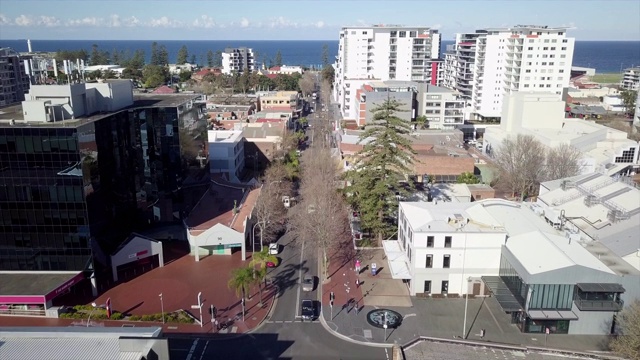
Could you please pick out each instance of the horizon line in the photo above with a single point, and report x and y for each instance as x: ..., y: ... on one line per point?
x: 25, y: 39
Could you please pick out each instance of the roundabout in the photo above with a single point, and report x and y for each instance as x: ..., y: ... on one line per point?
x: 381, y: 317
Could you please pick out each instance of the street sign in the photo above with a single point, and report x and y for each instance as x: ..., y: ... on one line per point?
x: 195, y: 307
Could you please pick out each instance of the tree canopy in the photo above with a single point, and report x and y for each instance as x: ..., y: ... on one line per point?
x: 183, y: 55
x: 375, y: 177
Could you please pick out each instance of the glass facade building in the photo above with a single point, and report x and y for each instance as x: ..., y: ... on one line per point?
x: 69, y: 195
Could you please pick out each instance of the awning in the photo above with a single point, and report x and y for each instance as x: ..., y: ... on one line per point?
x: 552, y: 315
x: 601, y: 287
x: 501, y: 292
x: 398, y: 260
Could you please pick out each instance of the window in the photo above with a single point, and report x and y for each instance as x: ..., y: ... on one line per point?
x: 561, y: 71
x: 564, y: 48
x: 545, y: 48
x: 447, y: 241
x: 364, y: 33
x: 412, y: 34
x: 553, y: 48
x: 446, y: 261
x: 529, y: 56
x: 430, y: 241
x: 526, y: 85
x: 564, y: 41
x: 445, y: 287
x: 403, y: 34
x: 546, y: 40
x: 427, y: 286
x: 530, y: 48
x: 429, y: 261
x: 563, y: 56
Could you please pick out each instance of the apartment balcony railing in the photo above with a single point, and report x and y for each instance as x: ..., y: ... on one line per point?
x: 599, y: 305
x: 454, y: 106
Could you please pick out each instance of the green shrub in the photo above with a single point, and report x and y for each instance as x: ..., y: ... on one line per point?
x: 147, y: 318
x: 134, y: 318
x: 117, y: 316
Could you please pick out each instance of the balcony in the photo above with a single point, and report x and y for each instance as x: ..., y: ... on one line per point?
x: 599, y: 305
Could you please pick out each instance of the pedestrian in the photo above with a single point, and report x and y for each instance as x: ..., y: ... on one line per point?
x: 358, y: 266
x: 482, y: 332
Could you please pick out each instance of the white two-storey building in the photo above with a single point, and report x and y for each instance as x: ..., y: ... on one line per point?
x: 226, y: 153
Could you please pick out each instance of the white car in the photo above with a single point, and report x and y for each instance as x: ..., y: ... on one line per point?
x: 273, y: 249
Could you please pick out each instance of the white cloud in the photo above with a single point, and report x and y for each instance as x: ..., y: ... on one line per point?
x: 24, y: 20
x: 244, y: 22
x: 281, y: 22
x: 204, y: 21
x: 114, y: 21
x: 131, y: 21
x: 319, y: 24
x: 164, y: 22
x: 5, y: 20
x: 48, y: 21
x: 87, y: 21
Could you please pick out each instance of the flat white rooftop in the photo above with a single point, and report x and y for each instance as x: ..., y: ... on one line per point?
x: 224, y: 136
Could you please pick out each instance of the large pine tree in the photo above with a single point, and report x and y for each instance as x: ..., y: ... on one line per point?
x: 375, y: 178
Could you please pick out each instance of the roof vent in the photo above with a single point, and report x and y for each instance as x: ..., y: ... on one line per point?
x: 591, y: 200
x: 615, y: 215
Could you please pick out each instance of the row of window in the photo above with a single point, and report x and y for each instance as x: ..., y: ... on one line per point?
x: 446, y: 261
x: 444, y: 286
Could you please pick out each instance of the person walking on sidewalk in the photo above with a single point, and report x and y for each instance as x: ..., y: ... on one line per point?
x: 358, y: 266
x: 357, y: 283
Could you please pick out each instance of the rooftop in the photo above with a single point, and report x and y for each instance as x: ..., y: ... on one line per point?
x: 40, y: 283
x: 92, y: 343
x: 217, y: 207
x: 139, y: 101
x: 224, y: 136
x: 588, y: 201
x: 530, y: 236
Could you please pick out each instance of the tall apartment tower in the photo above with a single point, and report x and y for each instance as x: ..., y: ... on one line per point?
x: 237, y: 60
x: 487, y: 64
x: 14, y: 80
x: 383, y: 52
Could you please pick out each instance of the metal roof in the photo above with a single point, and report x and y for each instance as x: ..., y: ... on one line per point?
x: 600, y: 287
x: 72, y: 343
x: 505, y: 297
x: 33, y: 283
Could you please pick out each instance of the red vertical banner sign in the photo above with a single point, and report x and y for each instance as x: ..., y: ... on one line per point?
x: 108, y: 304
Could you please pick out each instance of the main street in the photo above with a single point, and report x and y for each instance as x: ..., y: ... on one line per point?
x: 283, y: 335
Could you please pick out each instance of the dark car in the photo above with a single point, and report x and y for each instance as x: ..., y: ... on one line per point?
x: 307, y: 310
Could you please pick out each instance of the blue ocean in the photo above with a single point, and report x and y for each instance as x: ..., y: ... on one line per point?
x: 604, y: 56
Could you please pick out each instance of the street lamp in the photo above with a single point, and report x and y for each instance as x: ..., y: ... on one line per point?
x: 466, y: 304
x: 95, y: 306
x: 162, y: 307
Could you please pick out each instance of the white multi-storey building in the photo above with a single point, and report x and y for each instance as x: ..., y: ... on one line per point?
x: 495, y: 62
x: 631, y: 79
x: 383, y: 52
x: 226, y: 153
x: 237, y: 60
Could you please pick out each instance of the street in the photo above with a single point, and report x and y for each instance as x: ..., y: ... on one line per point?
x: 284, y: 335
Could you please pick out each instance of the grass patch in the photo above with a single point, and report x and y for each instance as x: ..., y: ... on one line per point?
x: 607, y: 78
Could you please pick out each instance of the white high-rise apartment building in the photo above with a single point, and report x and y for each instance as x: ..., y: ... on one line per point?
x: 236, y: 60
x: 494, y: 62
x: 383, y: 52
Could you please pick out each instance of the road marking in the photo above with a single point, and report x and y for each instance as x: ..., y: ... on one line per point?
x: 204, y: 349
x: 299, y: 280
x: 386, y: 352
x: 193, y: 348
x: 409, y: 315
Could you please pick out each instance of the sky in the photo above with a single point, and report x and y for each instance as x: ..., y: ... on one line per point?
x: 303, y: 19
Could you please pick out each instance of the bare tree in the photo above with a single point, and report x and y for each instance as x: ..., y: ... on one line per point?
x: 321, y: 216
x: 563, y: 161
x: 307, y: 83
x: 269, y: 209
x: 627, y: 343
x: 325, y: 92
x: 521, y: 162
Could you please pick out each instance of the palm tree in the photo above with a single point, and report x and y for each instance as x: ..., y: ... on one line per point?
x: 258, y: 276
x: 262, y: 258
x: 240, y: 281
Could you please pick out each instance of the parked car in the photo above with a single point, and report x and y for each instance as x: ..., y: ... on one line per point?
x: 308, y: 283
x: 271, y: 264
x: 274, y: 249
x: 307, y: 312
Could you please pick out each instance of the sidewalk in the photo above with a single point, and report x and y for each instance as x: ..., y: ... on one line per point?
x: 436, y: 318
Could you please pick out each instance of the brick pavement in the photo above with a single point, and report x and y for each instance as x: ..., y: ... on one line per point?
x: 179, y: 282
x: 342, y: 282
